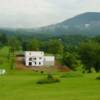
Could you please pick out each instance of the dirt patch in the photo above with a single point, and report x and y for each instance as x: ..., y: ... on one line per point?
x: 21, y: 66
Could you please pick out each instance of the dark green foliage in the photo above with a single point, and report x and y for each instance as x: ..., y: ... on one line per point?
x: 14, y: 44
x: 50, y: 79
x: 42, y: 72
x: 3, y: 39
x: 98, y: 78
x: 90, y: 55
x: 62, y: 44
x: 44, y: 46
x: 96, y: 38
x: 55, y: 46
x: 24, y: 45
x: 49, y: 76
x: 33, y: 45
x: 70, y: 60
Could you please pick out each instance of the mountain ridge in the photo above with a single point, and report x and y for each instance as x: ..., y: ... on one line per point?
x: 85, y: 23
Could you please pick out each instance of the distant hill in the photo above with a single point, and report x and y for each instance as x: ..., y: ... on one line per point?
x: 83, y: 24
x: 86, y: 23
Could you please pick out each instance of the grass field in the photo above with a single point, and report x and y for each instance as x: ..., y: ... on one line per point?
x: 22, y: 86
x: 19, y: 85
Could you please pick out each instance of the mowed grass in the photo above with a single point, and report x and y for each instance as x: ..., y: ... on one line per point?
x: 22, y: 86
x: 19, y: 85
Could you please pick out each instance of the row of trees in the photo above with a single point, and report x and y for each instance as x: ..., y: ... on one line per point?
x: 88, y: 55
x: 53, y: 46
x: 86, y: 52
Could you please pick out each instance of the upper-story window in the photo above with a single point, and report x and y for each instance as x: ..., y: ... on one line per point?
x: 30, y: 59
x: 40, y: 58
x: 30, y: 53
x: 34, y: 58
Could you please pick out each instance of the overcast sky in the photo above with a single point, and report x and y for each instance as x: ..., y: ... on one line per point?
x: 35, y: 13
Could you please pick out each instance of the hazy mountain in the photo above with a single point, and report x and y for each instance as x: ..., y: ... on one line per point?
x: 85, y: 24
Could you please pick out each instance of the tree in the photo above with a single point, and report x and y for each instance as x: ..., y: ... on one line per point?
x: 44, y: 46
x: 55, y: 46
x: 97, y: 38
x: 25, y: 45
x: 3, y: 38
x: 90, y: 55
x: 70, y: 60
x: 33, y: 45
x: 14, y: 45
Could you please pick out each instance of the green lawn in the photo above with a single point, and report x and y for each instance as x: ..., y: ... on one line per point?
x: 22, y: 86
x: 17, y: 85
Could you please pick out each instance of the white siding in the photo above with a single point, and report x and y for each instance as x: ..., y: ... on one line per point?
x: 37, y: 58
x: 49, y: 60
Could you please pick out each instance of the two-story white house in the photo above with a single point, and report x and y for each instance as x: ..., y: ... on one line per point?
x: 37, y: 58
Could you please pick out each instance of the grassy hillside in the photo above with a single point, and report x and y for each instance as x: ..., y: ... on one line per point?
x: 22, y: 85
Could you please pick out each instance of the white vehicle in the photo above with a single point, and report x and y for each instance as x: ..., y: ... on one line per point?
x: 2, y: 71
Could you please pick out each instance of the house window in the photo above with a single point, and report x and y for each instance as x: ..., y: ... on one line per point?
x: 40, y: 58
x: 39, y: 63
x: 30, y: 59
x: 34, y: 58
x: 30, y: 63
x: 35, y: 63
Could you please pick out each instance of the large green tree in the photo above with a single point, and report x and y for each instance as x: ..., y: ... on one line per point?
x: 3, y: 39
x: 14, y: 45
x: 70, y: 60
x: 55, y: 46
x: 33, y: 45
x: 90, y: 55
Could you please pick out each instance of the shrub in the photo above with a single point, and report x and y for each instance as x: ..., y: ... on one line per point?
x: 98, y: 78
x: 42, y: 72
x: 70, y: 60
x: 49, y: 76
x: 48, y: 80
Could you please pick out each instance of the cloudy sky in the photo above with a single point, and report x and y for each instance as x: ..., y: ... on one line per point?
x: 35, y: 13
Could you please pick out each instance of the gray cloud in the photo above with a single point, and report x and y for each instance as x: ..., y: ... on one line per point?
x: 35, y: 13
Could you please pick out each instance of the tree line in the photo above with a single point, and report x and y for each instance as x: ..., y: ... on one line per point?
x: 73, y: 50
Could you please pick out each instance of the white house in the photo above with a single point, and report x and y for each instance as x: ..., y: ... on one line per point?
x: 37, y: 58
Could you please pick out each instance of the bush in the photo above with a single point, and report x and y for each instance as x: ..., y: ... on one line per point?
x: 90, y: 55
x: 71, y: 74
x: 42, y: 72
x: 98, y: 78
x: 48, y: 80
x: 70, y: 60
